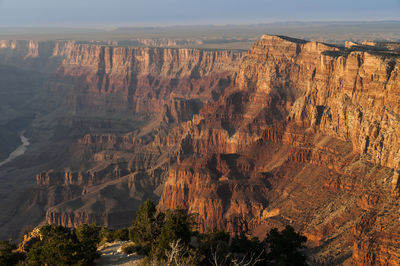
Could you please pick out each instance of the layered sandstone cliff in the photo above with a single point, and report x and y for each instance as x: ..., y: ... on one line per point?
x: 318, y: 126
x: 141, y: 79
x: 114, y: 103
x: 302, y: 133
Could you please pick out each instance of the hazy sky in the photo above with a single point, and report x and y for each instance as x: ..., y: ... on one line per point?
x: 160, y: 12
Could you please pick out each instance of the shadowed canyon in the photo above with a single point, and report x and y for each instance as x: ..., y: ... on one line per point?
x: 292, y: 132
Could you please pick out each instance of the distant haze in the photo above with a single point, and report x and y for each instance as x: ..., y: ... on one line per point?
x: 25, y: 13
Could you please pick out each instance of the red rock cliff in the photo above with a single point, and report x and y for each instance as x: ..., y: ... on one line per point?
x: 311, y: 130
x: 143, y: 78
x: 302, y: 133
x: 119, y: 103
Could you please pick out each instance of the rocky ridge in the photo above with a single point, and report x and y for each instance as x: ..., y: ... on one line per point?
x: 308, y: 136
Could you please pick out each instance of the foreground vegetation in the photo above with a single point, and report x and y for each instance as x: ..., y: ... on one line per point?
x: 163, y: 238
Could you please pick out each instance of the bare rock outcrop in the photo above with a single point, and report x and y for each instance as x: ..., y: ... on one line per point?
x: 294, y: 132
x: 319, y: 125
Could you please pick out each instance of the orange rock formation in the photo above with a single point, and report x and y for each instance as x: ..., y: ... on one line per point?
x: 301, y: 133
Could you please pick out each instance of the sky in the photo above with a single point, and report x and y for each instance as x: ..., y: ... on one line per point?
x: 26, y: 13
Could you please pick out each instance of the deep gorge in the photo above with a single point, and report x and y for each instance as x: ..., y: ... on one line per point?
x: 292, y: 132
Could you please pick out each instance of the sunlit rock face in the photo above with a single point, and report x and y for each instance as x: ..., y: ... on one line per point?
x: 294, y: 132
x: 100, y: 118
x: 168, y: 86
x: 143, y: 78
x: 308, y: 136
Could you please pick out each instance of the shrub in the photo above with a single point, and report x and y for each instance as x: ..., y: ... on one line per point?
x: 214, y: 245
x: 88, y: 233
x: 121, y: 234
x: 286, y: 247
x: 106, y: 235
x: 130, y: 248
x: 7, y: 256
x: 178, y: 226
x: 146, y: 228
x: 61, y: 246
x: 88, y: 237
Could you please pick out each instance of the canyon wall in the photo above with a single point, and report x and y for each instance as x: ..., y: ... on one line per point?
x: 110, y: 103
x: 295, y: 132
x: 353, y: 97
x: 308, y: 137
x: 144, y: 79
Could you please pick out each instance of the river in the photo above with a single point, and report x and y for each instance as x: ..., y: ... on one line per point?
x: 18, y: 151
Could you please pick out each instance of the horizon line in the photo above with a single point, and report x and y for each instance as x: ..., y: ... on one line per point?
x: 182, y: 25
